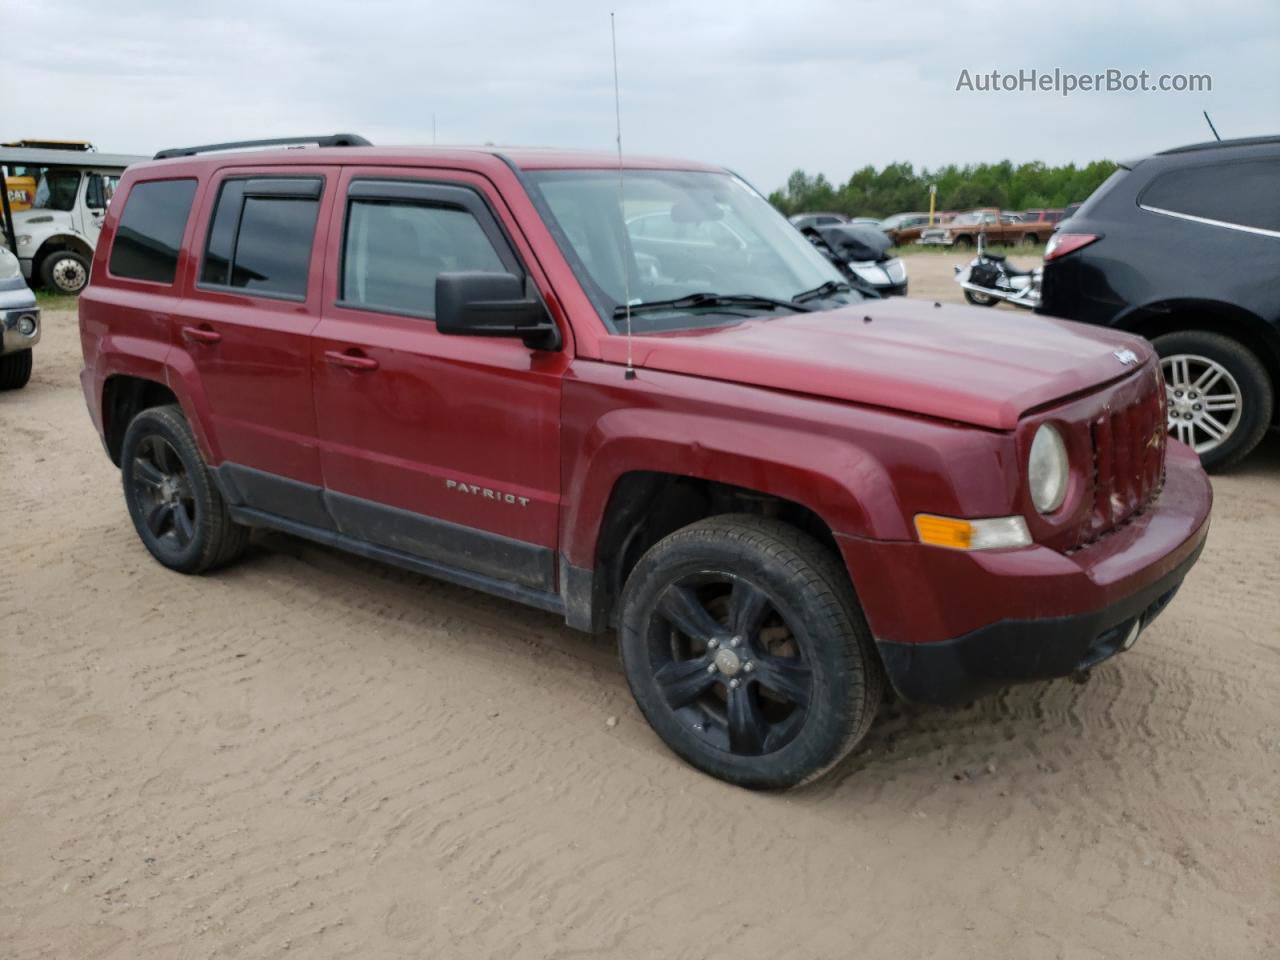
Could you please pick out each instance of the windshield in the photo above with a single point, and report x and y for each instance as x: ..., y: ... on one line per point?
x: 57, y: 190
x: 676, y: 233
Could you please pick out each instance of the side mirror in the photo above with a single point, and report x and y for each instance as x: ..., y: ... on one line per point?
x: 492, y: 305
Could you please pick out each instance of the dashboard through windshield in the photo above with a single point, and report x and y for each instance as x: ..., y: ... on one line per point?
x: 663, y: 235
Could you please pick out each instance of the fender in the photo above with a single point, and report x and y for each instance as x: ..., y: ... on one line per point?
x: 841, y: 483
x: 1161, y: 316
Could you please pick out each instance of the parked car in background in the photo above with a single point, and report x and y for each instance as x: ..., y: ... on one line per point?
x: 861, y: 253
x: 19, y: 324
x: 1042, y: 215
x: 998, y: 228
x: 1069, y: 211
x: 1183, y: 247
x: 904, y: 228
x: 781, y: 495
x: 818, y: 219
x: 57, y: 233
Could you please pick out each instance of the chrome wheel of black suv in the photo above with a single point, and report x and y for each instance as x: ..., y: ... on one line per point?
x: 1219, y: 396
x: 746, y: 650
x: 175, y: 506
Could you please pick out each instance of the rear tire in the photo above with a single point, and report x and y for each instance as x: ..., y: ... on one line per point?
x: 798, y: 689
x: 980, y: 299
x: 174, y: 503
x: 1226, y: 368
x: 64, y: 271
x: 15, y: 370
x: 963, y: 243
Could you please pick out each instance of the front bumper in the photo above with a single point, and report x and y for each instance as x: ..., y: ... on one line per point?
x: 15, y: 305
x: 952, y: 625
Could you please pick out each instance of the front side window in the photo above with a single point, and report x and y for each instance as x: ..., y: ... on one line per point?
x: 1245, y: 192
x: 260, y: 238
x: 150, y: 231
x: 395, y: 250
x: 99, y: 191
x: 667, y: 234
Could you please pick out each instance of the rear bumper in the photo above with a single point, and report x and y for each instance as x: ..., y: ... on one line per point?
x: 952, y: 625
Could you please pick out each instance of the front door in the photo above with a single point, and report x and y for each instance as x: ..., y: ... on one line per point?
x: 252, y: 299
x: 445, y: 448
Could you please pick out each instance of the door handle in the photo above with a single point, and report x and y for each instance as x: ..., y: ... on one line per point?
x: 352, y: 361
x: 201, y: 334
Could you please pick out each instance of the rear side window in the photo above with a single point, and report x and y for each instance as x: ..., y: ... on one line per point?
x: 395, y: 250
x: 150, y: 231
x: 1246, y: 192
x: 261, y: 235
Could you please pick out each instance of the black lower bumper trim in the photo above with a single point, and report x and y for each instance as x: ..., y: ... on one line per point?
x: 1016, y: 651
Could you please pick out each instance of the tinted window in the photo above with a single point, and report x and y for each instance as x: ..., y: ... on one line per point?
x: 394, y: 251
x: 1246, y: 192
x: 260, y: 243
x: 150, y: 230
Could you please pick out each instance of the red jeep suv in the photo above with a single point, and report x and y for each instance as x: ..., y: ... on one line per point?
x: 467, y: 363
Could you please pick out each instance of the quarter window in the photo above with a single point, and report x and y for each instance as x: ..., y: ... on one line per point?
x: 150, y: 231
x: 261, y: 236
x: 395, y: 250
x: 1246, y: 192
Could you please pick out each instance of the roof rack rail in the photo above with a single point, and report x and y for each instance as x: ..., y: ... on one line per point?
x: 324, y: 140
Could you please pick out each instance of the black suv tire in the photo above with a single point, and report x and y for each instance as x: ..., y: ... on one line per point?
x: 173, y: 500
x: 1257, y: 396
x: 746, y: 650
x: 15, y: 370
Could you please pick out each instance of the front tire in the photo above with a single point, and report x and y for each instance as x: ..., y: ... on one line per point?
x: 15, y: 370
x: 747, y: 652
x: 64, y: 271
x: 173, y: 501
x: 1220, y: 398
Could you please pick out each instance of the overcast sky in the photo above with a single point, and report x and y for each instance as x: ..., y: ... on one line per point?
x: 763, y: 88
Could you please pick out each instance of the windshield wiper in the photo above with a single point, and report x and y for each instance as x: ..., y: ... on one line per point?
x: 693, y: 300
x: 822, y: 291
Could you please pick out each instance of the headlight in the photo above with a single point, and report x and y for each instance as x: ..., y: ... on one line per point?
x: 1047, y: 470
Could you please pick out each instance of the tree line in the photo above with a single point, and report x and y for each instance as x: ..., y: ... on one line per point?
x: 899, y: 188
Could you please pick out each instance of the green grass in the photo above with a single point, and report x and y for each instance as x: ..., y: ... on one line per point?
x: 56, y: 301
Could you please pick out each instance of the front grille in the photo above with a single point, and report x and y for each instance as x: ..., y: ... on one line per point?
x: 1128, y: 460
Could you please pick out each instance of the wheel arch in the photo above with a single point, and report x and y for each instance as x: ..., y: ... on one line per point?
x: 632, y: 491
x: 61, y: 241
x: 1245, y: 327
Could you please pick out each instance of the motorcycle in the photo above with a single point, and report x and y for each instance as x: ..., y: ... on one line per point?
x: 990, y: 278
x: 861, y: 254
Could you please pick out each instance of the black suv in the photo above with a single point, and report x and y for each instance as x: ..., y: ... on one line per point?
x: 1183, y: 247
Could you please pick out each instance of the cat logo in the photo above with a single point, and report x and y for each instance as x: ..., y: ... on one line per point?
x: 1125, y: 356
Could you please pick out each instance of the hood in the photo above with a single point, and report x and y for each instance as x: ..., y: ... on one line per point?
x: 966, y: 364
x: 856, y: 243
x: 38, y: 215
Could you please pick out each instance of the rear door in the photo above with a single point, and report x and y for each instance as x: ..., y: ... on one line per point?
x: 445, y: 448
x: 252, y: 300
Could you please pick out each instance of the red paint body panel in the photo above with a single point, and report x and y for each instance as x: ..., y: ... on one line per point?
x: 913, y: 593
x: 864, y: 422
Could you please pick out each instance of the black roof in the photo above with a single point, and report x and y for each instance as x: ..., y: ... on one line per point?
x: 1221, y: 144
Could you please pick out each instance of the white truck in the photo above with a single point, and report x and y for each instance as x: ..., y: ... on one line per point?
x: 56, y: 236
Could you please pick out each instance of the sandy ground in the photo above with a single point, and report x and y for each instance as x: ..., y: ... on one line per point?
x: 313, y: 755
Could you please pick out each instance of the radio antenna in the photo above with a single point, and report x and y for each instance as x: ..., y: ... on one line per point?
x: 626, y: 269
x: 1211, y: 126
